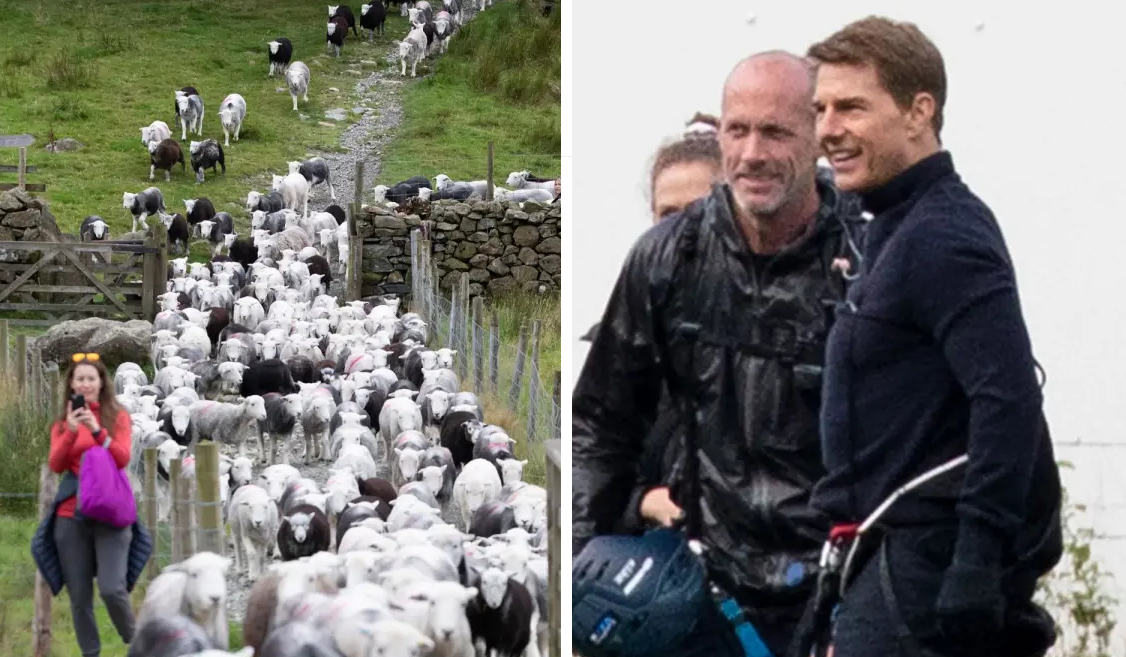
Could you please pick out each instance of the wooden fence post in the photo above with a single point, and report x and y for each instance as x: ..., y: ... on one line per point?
x: 41, y: 625
x: 416, y: 272
x: 463, y: 334
x: 534, y: 381
x: 518, y: 371
x: 427, y: 288
x: 148, y: 283
x: 54, y: 398
x: 176, y: 486
x: 451, y: 336
x: 489, y: 178
x: 36, y: 375
x: 478, y: 343
x: 23, y: 168
x: 160, y: 275
x: 212, y: 533
x: 494, y: 352
x: 353, y: 280
x: 4, y: 352
x: 150, y: 503
x: 21, y: 363
x: 556, y: 409
x: 554, y: 480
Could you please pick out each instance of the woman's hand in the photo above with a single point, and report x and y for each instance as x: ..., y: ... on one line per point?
x: 73, y: 417
x: 659, y: 507
x: 88, y: 418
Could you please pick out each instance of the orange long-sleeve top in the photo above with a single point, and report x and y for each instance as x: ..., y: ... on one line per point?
x: 67, y: 448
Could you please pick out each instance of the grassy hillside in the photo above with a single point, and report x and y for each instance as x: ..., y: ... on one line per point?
x: 99, y: 71
x: 500, y: 81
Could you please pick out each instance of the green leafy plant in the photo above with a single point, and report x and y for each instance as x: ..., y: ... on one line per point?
x: 1074, y: 591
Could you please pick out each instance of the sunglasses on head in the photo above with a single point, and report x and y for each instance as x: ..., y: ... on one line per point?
x: 78, y: 358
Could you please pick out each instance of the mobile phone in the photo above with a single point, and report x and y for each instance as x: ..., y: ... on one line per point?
x: 77, y: 401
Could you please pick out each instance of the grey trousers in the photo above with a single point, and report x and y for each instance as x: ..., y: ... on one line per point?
x: 86, y: 548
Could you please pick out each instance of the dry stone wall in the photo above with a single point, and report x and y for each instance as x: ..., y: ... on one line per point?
x: 502, y: 246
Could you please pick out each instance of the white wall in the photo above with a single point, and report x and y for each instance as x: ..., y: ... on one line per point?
x: 1034, y: 124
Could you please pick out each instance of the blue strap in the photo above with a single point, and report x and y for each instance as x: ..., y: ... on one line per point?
x: 753, y: 645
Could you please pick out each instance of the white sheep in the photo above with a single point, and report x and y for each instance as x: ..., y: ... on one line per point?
x: 412, y: 48
x: 232, y: 111
x: 254, y: 521
x: 297, y: 79
x: 477, y: 484
x: 223, y: 422
x: 439, y: 610
x: 195, y: 587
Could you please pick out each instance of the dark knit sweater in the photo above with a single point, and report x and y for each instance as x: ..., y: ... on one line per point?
x: 929, y: 359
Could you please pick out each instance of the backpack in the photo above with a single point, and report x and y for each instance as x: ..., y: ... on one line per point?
x: 104, y: 492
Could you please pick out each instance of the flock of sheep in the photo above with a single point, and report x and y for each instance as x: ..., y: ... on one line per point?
x: 420, y: 538
x: 361, y: 563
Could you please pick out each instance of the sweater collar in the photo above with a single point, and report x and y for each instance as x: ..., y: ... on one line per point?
x: 908, y: 182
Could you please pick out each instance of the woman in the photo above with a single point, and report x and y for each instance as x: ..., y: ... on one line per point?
x: 84, y: 546
x: 685, y: 170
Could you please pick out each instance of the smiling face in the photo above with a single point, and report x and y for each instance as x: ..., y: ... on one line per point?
x: 767, y: 134
x: 86, y: 381
x: 863, y: 132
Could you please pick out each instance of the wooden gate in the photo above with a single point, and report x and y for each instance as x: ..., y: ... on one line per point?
x: 70, y: 280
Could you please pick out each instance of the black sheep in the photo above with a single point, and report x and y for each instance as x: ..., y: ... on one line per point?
x: 326, y: 369
x: 183, y: 301
x: 178, y: 233
x: 93, y: 229
x: 337, y: 31
x: 279, y: 423
x: 200, y: 209
x: 402, y: 384
x: 233, y: 329
x: 163, y: 155
x: 395, y: 358
x: 380, y: 488
x: 301, y: 369
x: 374, y: 405
x: 413, y: 366
x: 507, y: 629
x: 456, y: 437
x: 244, y: 252
x: 491, y: 519
x: 337, y: 212
x: 345, y: 12
x: 266, y: 376
x: 207, y: 154
x: 169, y: 427
x: 218, y: 321
x: 401, y: 191
x: 168, y: 635
x: 270, y: 202
x: 279, y: 51
x: 303, y: 533
x: 319, y: 265
x: 354, y: 513
x: 373, y: 16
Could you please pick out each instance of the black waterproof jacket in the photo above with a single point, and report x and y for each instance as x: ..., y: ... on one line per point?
x: 764, y: 320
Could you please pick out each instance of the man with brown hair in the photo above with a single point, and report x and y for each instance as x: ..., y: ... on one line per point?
x: 929, y: 359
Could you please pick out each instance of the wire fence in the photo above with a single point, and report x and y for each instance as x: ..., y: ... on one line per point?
x: 507, y: 378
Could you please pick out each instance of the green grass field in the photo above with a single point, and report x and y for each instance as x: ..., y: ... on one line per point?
x: 99, y: 71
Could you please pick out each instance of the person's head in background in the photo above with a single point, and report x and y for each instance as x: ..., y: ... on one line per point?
x: 684, y: 170
x: 769, y: 144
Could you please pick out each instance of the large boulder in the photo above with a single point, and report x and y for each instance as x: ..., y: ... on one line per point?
x: 115, y: 341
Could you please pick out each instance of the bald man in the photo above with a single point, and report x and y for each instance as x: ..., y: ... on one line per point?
x: 753, y: 266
